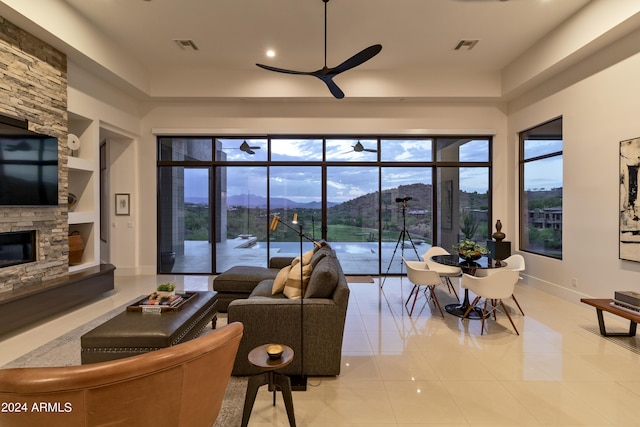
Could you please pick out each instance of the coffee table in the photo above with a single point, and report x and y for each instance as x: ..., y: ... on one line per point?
x: 131, y: 333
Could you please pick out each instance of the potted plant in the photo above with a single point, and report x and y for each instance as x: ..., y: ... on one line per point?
x: 469, y: 250
x: 166, y: 290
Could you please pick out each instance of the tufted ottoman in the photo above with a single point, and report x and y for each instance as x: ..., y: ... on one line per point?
x: 131, y: 333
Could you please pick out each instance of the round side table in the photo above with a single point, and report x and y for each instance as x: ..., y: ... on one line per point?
x: 259, y: 358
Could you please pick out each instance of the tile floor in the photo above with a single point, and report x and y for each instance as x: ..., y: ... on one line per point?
x: 428, y: 371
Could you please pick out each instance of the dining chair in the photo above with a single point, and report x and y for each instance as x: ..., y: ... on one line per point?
x: 445, y: 271
x: 515, y: 262
x: 420, y: 275
x: 494, y: 287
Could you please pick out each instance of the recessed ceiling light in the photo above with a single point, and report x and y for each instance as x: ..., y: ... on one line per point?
x: 271, y: 53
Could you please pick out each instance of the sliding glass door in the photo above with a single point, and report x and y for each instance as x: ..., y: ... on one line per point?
x: 375, y: 200
x: 185, y: 212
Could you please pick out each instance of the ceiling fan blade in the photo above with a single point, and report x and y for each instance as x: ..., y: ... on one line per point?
x: 333, y: 87
x: 357, y: 59
x: 282, y: 70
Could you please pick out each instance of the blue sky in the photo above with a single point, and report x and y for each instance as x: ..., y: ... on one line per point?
x: 303, y: 184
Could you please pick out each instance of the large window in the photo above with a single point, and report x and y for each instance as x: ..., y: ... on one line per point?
x: 541, y: 189
x: 374, y: 199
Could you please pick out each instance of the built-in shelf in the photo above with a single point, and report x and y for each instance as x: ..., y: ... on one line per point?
x: 84, y: 218
x: 80, y: 164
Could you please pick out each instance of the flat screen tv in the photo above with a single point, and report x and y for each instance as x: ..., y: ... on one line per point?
x: 28, y: 166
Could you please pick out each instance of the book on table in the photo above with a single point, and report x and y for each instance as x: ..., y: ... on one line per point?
x: 157, y: 304
x: 627, y: 297
x: 155, y: 299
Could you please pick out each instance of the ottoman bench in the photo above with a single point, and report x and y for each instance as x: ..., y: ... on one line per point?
x: 131, y: 333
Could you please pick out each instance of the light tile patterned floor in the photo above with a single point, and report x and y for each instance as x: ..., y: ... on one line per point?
x: 429, y: 371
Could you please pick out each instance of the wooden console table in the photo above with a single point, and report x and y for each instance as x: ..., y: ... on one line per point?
x: 605, y: 305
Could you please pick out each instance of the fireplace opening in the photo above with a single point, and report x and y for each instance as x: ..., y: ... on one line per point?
x: 17, y: 247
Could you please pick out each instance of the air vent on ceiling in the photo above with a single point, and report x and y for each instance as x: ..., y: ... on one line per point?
x: 186, y: 44
x: 466, y: 44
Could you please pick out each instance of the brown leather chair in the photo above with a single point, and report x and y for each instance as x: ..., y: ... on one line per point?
x: 181, y: 385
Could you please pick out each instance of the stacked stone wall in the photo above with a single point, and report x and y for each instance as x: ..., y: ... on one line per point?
x: 33, y: 86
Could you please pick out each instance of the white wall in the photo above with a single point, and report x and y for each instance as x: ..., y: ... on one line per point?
x: 598, y: 112
x: 118, y: 118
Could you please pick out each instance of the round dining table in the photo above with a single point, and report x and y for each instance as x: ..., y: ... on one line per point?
x: 471, y: 268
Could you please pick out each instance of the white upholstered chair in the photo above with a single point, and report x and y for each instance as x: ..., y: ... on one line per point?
x: 420, y: 275
x: 446, y: 272
x: 514, y: 262
x: 494, y: 287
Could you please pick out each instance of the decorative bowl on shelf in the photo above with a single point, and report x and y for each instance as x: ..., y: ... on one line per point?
x: 72, y: 201
x: 274, y: 351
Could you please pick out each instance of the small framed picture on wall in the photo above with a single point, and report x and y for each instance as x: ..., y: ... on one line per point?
x: 122, y: 204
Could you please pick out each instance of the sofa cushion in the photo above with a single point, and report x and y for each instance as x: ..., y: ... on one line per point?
x: 281, y: 280
x: 242, y: 278
x: 323, y: 280
x: 293, y: 287
x: 316, y: 258
x: 263, y: 290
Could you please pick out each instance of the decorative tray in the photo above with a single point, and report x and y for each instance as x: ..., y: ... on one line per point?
x: 154, y: 304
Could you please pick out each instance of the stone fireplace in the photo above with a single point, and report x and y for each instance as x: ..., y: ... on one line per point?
x: 34, y: 87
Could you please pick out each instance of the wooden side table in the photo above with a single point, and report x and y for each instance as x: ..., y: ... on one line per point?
x: 259, y: 358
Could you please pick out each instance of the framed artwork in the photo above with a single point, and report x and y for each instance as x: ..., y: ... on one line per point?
x: 122, y: 204
x: 629, y: 248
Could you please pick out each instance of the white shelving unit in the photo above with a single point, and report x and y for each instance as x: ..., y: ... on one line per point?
x: 84, y: 183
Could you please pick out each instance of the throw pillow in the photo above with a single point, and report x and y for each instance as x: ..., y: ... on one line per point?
x: 323, y: 281
x: 306, y: 258
x: 293, y: 288
x: 281, y: 280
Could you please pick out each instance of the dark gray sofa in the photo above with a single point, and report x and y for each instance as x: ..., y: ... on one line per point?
x: 276, y: 319
x: 238, y: 282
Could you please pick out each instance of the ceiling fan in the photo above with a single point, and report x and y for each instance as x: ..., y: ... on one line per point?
x: 327, y: 74
x: 359, y: 148
x: 248, y: 148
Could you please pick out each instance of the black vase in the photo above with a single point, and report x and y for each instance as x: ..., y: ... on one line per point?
x: 167, y: 259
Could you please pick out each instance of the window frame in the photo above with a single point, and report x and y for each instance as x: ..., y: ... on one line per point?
x: 522, y: 161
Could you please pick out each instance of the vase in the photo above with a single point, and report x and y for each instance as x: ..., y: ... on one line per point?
x: 76, y: 248
x: 498, y: 235
x: 167, y: 259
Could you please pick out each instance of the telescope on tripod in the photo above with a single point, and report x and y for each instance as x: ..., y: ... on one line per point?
x: 404, y: 235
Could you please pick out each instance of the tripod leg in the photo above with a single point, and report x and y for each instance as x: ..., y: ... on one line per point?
x: 412, y: 245
x: 400, y: 240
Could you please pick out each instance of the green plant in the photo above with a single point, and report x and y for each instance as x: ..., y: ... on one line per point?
x: 469, y: 226
x: 166, y: 287
x: 469, y: 249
